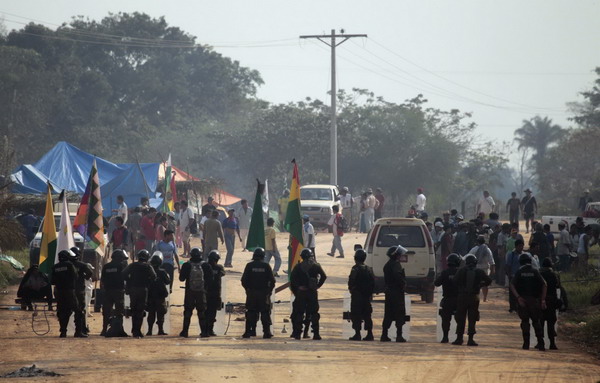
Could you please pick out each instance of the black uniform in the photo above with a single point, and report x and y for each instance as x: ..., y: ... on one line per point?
x: 306, y: 278
x: 213, y: 296
x: 157, y: 304
x: 84, y: 272
x: 529, y: 284
x: 113, y: 285
x: 552, y: 302
x: 450, y: 297
x: 361, y: 285
x: 195, y: 292
x: 395, y: 310
x: 64, y: 276
x: 469, y: 280
x: 138, y: 277
x: 259, y: 282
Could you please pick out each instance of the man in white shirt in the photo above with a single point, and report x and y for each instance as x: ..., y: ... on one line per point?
x: 371, y: 205
x: 244, y: 215
x: 485, y: 260
x: 121, y: 209
x: 347, y: 203
x: 185, y: 218
x: 308, y: 235
x: 486, y: 204
x: 421, y: 200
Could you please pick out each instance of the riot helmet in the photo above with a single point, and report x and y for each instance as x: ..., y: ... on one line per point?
x: 259, y: 253
x: 360, y: 256
x: 454, y: 260
x: 214, y: 256
x: 471, y: 260
x: 196, y: 253
x: 525, y: 259
x: 143, y: 255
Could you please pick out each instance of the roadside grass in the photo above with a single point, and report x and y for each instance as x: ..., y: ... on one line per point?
x: 8, y: 275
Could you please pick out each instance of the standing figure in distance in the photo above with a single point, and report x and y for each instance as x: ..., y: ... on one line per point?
x: 450, y: 294
x: 361, y: 285
x: 468, y: 280
x: 259, y: 282
x: 306, y: 279
x: 157, y: 295
x: 213, y: 292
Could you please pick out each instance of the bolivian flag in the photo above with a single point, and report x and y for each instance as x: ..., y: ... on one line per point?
x: 293, y: 221
x: 48, y: 245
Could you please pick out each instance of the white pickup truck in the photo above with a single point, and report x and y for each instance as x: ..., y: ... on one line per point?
x: 591, y: 216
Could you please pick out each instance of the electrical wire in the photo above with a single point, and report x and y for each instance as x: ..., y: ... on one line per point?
x: 33, y: 321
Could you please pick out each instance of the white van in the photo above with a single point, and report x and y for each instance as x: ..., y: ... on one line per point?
x: 418, y: 263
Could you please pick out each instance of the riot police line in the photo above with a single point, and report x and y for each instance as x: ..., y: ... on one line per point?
x: 146, y: 285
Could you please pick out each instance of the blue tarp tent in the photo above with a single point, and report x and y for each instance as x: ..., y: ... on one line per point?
x: 68, y: 167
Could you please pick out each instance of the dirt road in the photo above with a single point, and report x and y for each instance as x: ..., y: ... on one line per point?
x: 164, y: 359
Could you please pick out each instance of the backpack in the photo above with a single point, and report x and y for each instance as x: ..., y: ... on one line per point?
x: 196, y: 278
x: 342, y: 225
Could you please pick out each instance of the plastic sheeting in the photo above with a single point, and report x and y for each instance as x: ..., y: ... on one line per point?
x: 28, y: 180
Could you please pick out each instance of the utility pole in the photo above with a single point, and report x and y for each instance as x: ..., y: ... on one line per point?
x: 333, y: 44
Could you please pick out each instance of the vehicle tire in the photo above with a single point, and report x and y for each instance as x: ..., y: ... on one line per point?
x: 428, y: 297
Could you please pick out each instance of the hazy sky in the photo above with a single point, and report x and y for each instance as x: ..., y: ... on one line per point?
x: 502, y: 60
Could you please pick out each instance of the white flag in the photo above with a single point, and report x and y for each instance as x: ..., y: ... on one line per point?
x: 65, y: 234
x: 265, y: 198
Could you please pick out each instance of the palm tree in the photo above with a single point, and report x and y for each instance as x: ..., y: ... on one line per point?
x: 538, y: 134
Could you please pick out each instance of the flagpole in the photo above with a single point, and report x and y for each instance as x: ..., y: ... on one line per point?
x: 137, y: 161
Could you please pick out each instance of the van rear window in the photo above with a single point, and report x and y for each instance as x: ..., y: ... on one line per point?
x: 407, y: 236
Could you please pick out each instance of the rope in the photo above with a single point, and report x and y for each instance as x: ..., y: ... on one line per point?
x: 33, y: 321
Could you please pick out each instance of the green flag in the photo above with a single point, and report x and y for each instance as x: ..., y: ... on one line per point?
x: 256, y: 234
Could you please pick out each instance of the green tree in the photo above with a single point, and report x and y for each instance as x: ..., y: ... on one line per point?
x: 538, y: 134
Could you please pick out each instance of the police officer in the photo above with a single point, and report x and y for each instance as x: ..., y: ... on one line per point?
x: 306, y: 279
x: 138, y: 277
x: 64, y: 277
x: 361, y: 284
x: 157, y: 294
x: 468, y: 280
x: 395, y: 281
x: 530, y: 288
x: 552, y: 301
x: 197, y: 275
x: 84, y: 272
x: 450, y: 293
x: 113, y: 286
x: 259, y: 282
x: 213, y: 292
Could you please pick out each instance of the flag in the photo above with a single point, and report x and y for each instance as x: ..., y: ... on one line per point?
x: 168, y: 203
x: 173, y: 190
x: 256, y: 233
x: 293, y: 221
x: 65, y: 234
x: 265, y: 198
x: 95, y: 223
x: 48, y: 245
x: 80, y: 222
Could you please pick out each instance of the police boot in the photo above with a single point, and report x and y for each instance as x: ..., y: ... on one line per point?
x: 540, y: 344
x: 471, y: 342
x: 248, y: 333
x: 186, y: 326
x: 149, y: 332
x: 459, y: 340
x: 80, y: 334
x: 267, y: 332
x: 369, y: 336
x: 305, y: 334
x: 204, y: 330
x: 356, y: 335
x: 316, y: 335
x: 104, y: 328
x: 63, y: 334
x: 525, y: 341
x: 211, y: 329
x: 445, y: 337
x: 552, y: 344
x: 399, y: 337
x: 384, y: 336
x: 161, y: 331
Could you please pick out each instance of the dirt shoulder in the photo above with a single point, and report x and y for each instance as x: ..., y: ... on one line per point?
x: 153, y: 359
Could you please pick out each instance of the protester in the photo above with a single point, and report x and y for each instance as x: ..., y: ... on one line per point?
x: 271, y: 250
x: 244, y: 216
x: 461, y: 241
x: 346, y: 202
x: 133, y: 227
x: 381, y: 200
x: 147, y: 225
x: 485, y: 261
x: 170, y: 260
x: 308, y: 232
x: 362, y: 221
x: 338, y: 232
x: 583, y: 249
x: 210, y: 205
x: 282, y: 205
x: 513, y: 208
x: 186, y: 225
x: 539, y: 237
x: 258, y: 281
x: 529, y: 207
x: 446, y: 246
x: 564, y: 247
x: 120, y: 236
x: 361, y: 284
x: 421, y: 201
x: 145, y: 203
x: 159, y: 227
x: 231, y: 228
x: 213, y: 232
x: 486, y: 204
x: 371, y: 204
x: 121, y: 209
x: 177, y: 211
x: 305, y: 280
